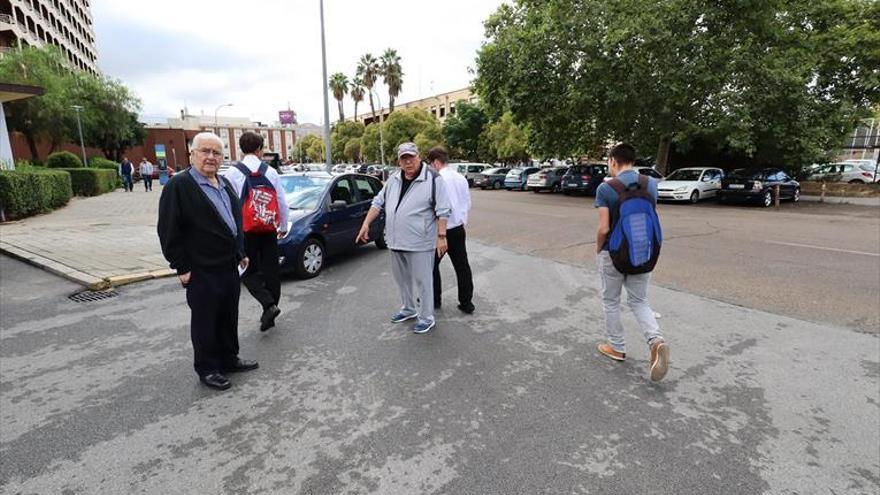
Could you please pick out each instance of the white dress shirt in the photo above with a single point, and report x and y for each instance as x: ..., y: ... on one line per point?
x: 236, y: 178
x: 459, y: 196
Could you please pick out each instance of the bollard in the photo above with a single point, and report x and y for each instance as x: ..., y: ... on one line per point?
x: 777, y: 195
x: 822, y: 196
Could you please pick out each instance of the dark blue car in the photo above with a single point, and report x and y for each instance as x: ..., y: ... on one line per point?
x: 326, y: 213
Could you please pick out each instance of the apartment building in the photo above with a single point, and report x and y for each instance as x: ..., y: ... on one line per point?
x: 440, y: 106
x: 66, y: 24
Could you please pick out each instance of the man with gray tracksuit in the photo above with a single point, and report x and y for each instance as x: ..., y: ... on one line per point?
x: 416, y: 209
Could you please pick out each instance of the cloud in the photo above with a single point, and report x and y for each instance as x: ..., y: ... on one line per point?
x: 263, y: 54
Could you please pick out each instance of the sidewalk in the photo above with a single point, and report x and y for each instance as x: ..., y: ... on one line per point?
x: 99, y: 242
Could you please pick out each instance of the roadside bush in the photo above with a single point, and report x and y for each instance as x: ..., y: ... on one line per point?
x: 31, y: 191
x: 28, y: 164
x: 91, y: 181
x: 64, y: 159
x: 101, y: 162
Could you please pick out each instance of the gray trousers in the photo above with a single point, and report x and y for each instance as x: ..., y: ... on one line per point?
x: 414, y: 273
x: 612, y: 281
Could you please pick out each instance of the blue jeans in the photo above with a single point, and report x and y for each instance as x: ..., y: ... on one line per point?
x: 611, y: 283
x: 127, y: 183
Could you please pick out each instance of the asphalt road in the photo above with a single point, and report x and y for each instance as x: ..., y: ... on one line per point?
x: 818, y: 262
x: 100, y: 397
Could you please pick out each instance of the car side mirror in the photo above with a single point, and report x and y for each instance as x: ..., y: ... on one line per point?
x: 338, y: 205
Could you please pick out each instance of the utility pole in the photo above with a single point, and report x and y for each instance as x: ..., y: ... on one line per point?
x: 327, y: 161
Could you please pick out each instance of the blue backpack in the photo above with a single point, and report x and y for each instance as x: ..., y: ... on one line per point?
x: 636, y: 237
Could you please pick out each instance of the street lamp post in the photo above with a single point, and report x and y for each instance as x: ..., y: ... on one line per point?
x: 327, y: 161
x: 218, y: 109
x: 82, y: 145
x: 381, y: 121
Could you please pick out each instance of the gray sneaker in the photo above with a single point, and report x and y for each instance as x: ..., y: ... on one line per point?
x: 402, y: 316
x: 424, y: 326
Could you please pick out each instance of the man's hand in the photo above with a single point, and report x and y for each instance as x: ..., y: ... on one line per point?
x: 244, y: 263
x: 184, y: 278
x: 441, y: 246
x: 364, y: 234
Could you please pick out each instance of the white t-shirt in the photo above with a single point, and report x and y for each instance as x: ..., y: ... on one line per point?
x: 459, y: 196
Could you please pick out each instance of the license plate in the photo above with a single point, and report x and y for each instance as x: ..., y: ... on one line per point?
x: 736, y: 186
x: 573, y: 184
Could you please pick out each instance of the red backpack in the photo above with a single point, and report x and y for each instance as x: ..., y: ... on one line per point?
x: 259, y: 201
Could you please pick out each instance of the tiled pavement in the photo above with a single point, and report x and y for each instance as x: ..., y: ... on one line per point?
x: 98, y: 242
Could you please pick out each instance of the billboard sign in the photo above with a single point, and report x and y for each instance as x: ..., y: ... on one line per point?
x: 160, y: 151
x: 287, y: 117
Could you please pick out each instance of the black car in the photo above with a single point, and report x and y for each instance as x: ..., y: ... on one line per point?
x: 492, y: 178
x: 584, y: 178
x: 758, y: 186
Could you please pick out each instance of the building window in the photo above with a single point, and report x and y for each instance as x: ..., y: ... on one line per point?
x: 442, y: 112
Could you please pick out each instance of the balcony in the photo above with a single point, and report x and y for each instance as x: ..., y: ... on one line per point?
x: 6, y: 19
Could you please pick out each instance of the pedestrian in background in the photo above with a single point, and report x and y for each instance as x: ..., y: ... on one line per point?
x: 201, y: 237
x: 126, y: 169
x: 460, y: 201
x: 416, y: 211
x: 146, y: 170
x: 609, y: 196
x: 264, y: 205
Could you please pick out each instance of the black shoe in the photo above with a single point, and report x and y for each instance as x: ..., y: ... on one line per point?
x: 241, y: 365
x: 467, y: 308
x: 267, y: 321
x: 216, y: 381
x: 437, y: 305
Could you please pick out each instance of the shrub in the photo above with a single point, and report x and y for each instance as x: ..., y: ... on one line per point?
x: 31, y: 191
x: 91, y: 181
x: 101, y: 162
x: 27, y: 164
x: 64, y: 159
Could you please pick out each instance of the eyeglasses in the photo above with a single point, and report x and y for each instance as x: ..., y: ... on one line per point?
x: 209, y: 152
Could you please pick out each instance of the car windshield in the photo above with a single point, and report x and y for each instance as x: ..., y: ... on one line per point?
x: 303, y: 192
x: 492, y: 171
x: 684, y: 174
x: 515, y: 171
x: 744, y: 173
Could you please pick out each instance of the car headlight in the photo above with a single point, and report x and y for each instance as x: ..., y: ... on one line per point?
x: 757, y: 185
x: 681, y: 189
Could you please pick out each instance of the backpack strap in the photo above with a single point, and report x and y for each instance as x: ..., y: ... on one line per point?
x: 434, y: 176
x: 246, y: 172
x: 261, y: 170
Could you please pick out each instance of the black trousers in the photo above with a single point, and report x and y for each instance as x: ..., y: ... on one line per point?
x: 456, y: 242
x: 212, y: 295
x: 262, y: 277
x: 148, y: 183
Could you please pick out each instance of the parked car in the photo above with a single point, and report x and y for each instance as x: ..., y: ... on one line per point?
x: 326, y: 212
x: 517, y: 178
x: 546, y: 179
x: 584, y: 178
x: 853, y: 173
x: 644, y: 170
x: 470, y: 171
x: 691, y: 184
x: 758, y: 186
x: 492, y: 178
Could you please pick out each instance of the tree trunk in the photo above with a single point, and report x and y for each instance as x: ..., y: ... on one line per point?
x: 32, y: 144
x: 341, y: 116
x: 355, y: 110
x: 372, y: 108
x: 663, y: 154
x: 390, y: 104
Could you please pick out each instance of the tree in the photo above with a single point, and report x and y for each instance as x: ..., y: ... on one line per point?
x: 339, y: 87
x: 409, y: 125
x: 392, y: 74
x: 313, y: 147
x: 778, y: 81
x: 109, y: 116
x: 342, y: 134
x: 43, y: 117
x: 507, y: 140
x: 368, y: 70
x: 463, y: 130
x: 357, y: 92
x: 352, y: 151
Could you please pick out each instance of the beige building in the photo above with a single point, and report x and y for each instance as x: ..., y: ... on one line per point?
x: 441, y: 106
x: 66, y: 24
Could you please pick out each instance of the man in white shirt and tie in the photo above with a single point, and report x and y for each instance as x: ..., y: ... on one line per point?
x: 460, y: 200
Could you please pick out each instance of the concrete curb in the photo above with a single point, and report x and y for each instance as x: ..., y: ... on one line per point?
x: 843, y: 200
x: 74, y: 275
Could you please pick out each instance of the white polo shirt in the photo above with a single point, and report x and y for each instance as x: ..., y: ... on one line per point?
x: 459, y: 196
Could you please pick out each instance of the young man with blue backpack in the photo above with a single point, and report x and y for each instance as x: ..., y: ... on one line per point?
x: 627, y: 247
x: 264, y: 221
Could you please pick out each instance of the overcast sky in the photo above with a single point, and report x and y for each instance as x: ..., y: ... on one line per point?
x: 262, y: 54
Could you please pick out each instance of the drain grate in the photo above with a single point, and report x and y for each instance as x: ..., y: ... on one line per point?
x: 92, y: 295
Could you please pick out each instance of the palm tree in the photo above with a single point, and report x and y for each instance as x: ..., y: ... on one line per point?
x: 392, y: 74
x: 357, y: 93
x: 339, y: 87
x: 368, y: 70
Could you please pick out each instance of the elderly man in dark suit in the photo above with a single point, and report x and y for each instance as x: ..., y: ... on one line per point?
x: 200, y: 232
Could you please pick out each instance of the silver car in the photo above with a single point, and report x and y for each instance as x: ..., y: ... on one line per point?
x: 853, y: 173
x: 470, y: 171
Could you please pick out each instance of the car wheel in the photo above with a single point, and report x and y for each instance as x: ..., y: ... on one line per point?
x: 856, y: 181
x: 567, y: 193
x: 496, y: 185
x: 310, y: 259
x: 797, y: 195
x: 768, y: 199
x: 555, y: 188
x: 695, y: 197
x: 536, y: 190
x: 380, y: 241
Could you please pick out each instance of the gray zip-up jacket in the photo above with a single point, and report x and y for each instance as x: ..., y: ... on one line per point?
x: 411, y: 225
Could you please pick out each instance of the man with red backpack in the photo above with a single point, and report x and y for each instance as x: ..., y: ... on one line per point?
x: 627, y: 247
x: 264, y: 219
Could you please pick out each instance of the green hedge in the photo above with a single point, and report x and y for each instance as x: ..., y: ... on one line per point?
x: 31, y: 191
x: 64, y: 159
x: 91, y: 181
x: 101, y: 162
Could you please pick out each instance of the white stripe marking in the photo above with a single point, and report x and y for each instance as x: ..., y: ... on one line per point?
x: 823, y: 248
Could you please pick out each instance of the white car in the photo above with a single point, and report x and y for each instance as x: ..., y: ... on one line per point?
x: 649, y: 171
x: 691, y: 184
x: 852, y: 172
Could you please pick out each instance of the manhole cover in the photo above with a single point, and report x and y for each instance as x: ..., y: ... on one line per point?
x: 92, y: 295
